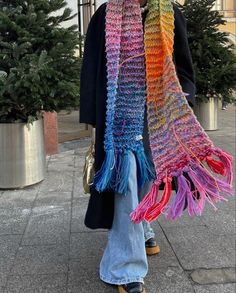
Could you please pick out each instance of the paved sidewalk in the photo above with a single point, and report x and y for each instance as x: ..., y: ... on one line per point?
x: 44, y: 246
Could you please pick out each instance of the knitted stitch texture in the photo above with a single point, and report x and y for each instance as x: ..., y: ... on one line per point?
x: 136, y: 62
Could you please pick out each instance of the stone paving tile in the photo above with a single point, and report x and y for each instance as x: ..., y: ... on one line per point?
x: 61, y: 167
x: 23, y: 199
x: 41, y: 260
x: 220, y: 222
x: 82, y: 148
x: 57, y: 181
x: 50, y: 283
x: 5, y: 267
x: 166, y: 257
x: 229, y: 206
x: 87, y: 245
x: 8, y: 247
x: 213, y: 276
x: 77, y: 145
x: 63, y: 162
x: 84, y: 277
x: 62, y: 157
x: 220, y: 288
x: 80, y: 157
x: 13, y: 221
x: 61, y: 199
x: 196, y: 247
x: 78, y: 190
x: 169, y: 279
x: 51, y: 226
x: 15, y: 209
x: 3, y: 277
x: 184, y: 221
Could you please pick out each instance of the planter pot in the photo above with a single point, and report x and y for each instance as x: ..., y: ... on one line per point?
x: 22, y: 154
x: 207, y: 113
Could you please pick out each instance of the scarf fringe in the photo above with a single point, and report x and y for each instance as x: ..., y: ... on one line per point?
x: 154, y: 211
x: 227, y: 161
x: 149, y: 209
x: 184, y: 193
x: 103, y: 176
x: 207, y: 187
x: 120, y: 178
x: 145, y: 168
x: 148, y: 201
x: 115, y: 170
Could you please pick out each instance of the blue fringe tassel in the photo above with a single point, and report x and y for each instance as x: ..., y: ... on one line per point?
x: 145, y: 168
x: 115, y: 170
x: 114, y: 173
x: 122, y: 173
x: 103, y: 176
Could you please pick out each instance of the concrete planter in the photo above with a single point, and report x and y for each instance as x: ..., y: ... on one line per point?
x: 207, y: 113
x: 22, y: 154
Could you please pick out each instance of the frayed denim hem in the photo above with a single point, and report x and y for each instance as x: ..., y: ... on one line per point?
x: 149, y: 235
x: 122, y: 281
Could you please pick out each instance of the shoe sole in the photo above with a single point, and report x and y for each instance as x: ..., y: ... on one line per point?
x: 153, y: 250
x: 122, y: 290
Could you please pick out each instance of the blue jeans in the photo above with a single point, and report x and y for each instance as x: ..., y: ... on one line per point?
x: 124, y: 259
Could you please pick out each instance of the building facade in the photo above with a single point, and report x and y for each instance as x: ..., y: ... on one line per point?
x: 228, y: 9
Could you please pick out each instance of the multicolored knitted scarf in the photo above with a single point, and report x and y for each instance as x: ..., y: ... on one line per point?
x: 139, y: 63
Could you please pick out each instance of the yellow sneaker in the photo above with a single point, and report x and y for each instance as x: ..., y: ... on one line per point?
x: 151, y: 247
x: 135, y: 287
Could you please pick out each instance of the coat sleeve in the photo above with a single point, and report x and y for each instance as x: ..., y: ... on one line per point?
x: 89, y: 70
x: 182, y: 57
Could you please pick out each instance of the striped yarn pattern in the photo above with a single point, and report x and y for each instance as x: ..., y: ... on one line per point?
x: 141, y: 63
x: 129, y: 107
x: 126, y: 98
x: 168, y: 109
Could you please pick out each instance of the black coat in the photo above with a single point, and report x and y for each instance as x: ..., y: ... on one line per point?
x: 93, y: 97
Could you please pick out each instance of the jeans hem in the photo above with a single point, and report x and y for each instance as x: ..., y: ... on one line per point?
x: 149, y: 235
x: 122, y: 281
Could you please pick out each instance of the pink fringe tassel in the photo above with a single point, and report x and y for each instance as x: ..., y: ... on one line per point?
x: 184, y: 193
x: 154, y: 211
x: 227, y: 161
x: 149, y: 200
x: 216, y: 166
x: 207, y: 186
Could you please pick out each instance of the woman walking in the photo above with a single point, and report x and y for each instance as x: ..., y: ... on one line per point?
x: 137, y: 89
